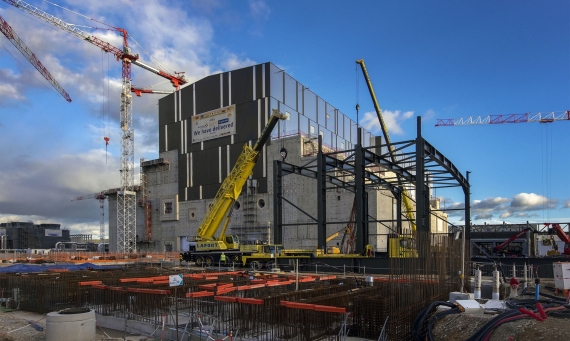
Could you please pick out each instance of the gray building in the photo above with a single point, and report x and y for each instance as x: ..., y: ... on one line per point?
x: 202, y: 130
x: 27, y: 235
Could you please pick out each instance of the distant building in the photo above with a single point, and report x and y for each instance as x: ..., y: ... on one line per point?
x: 27, y: 235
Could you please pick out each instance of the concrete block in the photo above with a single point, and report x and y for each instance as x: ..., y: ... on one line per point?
x: 471, y: 307
x: 456, y: 295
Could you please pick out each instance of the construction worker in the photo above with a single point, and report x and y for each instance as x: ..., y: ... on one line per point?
x: 223, y: 258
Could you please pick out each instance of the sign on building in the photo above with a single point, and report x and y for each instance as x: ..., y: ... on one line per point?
x: 53, y: 233
x: 213, y: 124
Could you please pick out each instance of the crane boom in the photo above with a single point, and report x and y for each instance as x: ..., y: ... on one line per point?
x: 126, y: 197
x: 547, y: 117
x: 101, y: 196
x: 500, y: 247
x: 120, y: 54
x: 232, y: 186
x: 405, y: 196
x: 31, y: 57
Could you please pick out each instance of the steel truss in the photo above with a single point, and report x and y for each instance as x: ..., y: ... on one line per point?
x: 418, y: 165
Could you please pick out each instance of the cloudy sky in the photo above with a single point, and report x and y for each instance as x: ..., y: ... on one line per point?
x: 436, y: 59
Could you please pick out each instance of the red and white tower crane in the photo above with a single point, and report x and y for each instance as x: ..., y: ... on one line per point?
x: 31, y: 57
x: 126, y: 197
x: 101, y: 197
x: 539, y: 117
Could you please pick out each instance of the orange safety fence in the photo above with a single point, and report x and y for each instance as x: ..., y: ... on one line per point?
x: 315, y: 307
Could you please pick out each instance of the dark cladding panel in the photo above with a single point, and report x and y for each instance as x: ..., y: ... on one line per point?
x: 220, y: 141
x: 226, y: 89
x: 205, y: 167
x: 224, y: 162
x: 262, y: 185
x: 259, y: 81
x: 258, y: 168
x: 166, y: 110
x: 194, y: 193
x: 210, y: 191
x: 182, y: 175
x: 242, y: 85
x: 247, y: 122
x: 267, y: 67
x: 208, y: 94
x: 187, y: 94
x: 173, y: 139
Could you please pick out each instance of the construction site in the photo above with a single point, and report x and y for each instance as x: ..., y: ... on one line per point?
x: 269, y: 214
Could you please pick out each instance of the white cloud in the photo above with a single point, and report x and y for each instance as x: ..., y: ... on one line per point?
x: 392, y: 120
x: 428, y: 115
x: 259, y: 13
x: 521, y: 206
x: 233, y: 62
x: 488, y: 203
x: 531, y: 201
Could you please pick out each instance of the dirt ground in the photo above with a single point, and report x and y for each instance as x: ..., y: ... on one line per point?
x: 15, y: 326
x: 461, y: 326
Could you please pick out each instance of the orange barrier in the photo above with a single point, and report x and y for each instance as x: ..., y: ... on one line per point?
x: 249, y: 300
x: 90, y: 283
x: 315, y: 307
x: 226, y: 298
x: 199, y: 294
x: 149, y: 291
x: 225, y: 290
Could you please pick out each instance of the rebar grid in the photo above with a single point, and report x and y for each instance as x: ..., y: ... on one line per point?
x: 412, y: 284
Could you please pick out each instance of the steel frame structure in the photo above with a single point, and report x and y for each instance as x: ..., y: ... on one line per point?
x: 417, y: 165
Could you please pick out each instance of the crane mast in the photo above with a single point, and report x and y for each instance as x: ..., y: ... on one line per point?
x: 101, y: 197
x: 31, y: 57
x: 126, y: 197
x: 405, y: 196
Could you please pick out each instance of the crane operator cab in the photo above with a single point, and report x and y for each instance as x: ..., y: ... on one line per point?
x: 232, y: 242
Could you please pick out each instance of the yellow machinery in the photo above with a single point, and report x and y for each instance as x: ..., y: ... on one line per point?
x: 208, y: 248
x: 402, y: 246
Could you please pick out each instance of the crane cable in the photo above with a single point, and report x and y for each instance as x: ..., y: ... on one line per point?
x: 105, y: 102
x: 357, y: 94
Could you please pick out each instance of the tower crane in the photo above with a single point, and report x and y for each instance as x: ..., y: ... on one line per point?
x: 539, y: 117
x: 405, y: 196
x: 126, y: 197
x: 101, y: 197
x: 31, y: 57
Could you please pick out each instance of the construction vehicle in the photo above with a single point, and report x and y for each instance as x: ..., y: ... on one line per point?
x: 506, y: 249
x: 557, y: 229
x: 207, y: 248
x: 401, y: 246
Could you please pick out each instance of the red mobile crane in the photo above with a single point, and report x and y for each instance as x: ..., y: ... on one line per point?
x: 501, y: 247
x: 556, y: 228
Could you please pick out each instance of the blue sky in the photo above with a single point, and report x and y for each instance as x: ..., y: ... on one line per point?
x: 436, y: 59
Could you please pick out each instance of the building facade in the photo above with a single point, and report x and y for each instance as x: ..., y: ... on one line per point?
x: 27, y: 235
x: 202, y: 130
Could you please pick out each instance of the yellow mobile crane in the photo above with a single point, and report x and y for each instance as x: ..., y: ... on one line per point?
x: 206, y: 248
x: 403, y: 245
